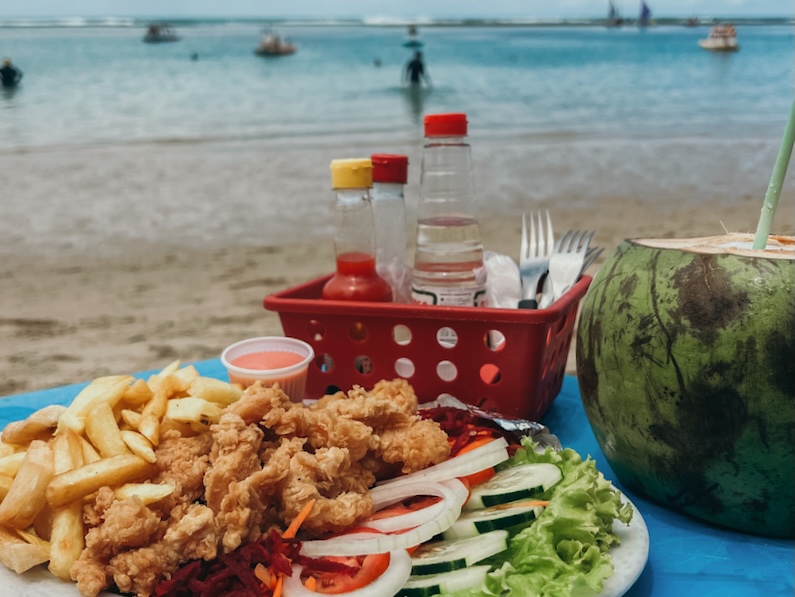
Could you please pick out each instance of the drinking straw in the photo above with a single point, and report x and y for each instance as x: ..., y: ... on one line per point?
x: 776, y: 182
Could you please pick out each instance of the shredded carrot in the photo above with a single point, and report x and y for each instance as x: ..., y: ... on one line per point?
x: 479, y: 440
x: 298, y: 520
x: 311, y: 583
x: 289, y: 533
x: 529, y: 503
x: 277, y: 590
x: 265, y: 576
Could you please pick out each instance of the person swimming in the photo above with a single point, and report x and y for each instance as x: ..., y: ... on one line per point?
x: 10, y: 75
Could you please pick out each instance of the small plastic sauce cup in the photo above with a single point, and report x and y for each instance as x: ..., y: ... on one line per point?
x: 270, y: 359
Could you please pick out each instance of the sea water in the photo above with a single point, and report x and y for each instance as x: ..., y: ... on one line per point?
x: 560, y: 116
x: 97, y: 82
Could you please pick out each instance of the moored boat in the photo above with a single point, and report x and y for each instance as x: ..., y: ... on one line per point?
x: 644, y: 20
x: 158, y: 33
x: 413, y: 38
x: 722, y: 38
x: 272, y: 44
x: 614, y: 18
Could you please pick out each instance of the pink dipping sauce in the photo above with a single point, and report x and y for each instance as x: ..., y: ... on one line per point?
x: 293, y: 383
x: 267, y: 359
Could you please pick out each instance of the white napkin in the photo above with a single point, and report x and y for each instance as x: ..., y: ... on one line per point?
x: 503, y: 282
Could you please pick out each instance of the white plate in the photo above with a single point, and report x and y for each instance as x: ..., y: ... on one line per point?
x: 629, y: 559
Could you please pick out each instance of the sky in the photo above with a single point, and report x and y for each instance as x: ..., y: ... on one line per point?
x: 395, y: 8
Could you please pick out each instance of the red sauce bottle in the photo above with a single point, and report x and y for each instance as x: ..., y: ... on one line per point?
x: 356, y: 278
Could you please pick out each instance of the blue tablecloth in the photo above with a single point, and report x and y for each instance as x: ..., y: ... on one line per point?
x: 687, y: 558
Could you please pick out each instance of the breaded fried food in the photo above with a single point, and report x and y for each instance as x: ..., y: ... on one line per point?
x: 256, y: 468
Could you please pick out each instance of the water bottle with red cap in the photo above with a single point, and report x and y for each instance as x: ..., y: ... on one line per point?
x: 390, y: 172
x: 448, y: 260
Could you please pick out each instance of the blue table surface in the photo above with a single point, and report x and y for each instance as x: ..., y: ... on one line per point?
x: 686, y: 557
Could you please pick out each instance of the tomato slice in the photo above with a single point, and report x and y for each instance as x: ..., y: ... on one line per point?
x: 478, y: 478
x: 335, y: 583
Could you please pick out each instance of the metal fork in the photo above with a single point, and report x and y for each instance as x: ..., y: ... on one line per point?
x: 566, y: 263
x: 534, y: 255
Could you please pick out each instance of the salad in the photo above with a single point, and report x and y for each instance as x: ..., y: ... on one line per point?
x: 501, y: 516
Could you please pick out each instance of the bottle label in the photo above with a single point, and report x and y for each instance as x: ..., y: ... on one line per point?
x: 449, y: 296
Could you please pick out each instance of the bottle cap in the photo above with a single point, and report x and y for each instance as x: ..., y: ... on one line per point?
x: 352, y: 174
x: 445, y: 125
x: 389, y: 167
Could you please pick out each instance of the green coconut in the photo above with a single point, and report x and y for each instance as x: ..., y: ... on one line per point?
x: 686, y: 367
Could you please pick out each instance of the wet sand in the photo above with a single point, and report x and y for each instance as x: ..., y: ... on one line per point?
x: 122, y: 259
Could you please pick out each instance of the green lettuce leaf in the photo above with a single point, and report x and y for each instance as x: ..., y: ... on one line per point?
x: 564, y: 553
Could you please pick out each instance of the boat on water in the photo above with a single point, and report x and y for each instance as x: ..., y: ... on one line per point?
x: 413, y: 38
x: 614, y: 18
x: 722, y: 38
x: 159, y: 33
x: 644, y: 20
x: 272, y: 44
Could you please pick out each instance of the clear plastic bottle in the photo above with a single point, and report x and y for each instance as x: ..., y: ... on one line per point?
x: 390, y: 173
x: 356, y: 278
x: 448, y: 260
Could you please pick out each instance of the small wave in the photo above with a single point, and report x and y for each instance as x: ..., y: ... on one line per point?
x: 118, y: 22
x: 73, y: 22
x: 385, y: 21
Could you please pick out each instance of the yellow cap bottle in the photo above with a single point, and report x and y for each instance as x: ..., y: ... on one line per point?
x: 356, y: 173
x: 356, y: 278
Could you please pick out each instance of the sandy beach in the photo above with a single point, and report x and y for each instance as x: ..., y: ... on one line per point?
x: 123, y: 258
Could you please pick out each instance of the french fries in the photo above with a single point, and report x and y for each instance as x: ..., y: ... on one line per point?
x: 103, y: 389
x: 189, y: 410
x: 148, y: 493
x: 67, y: 535
x: 5, y: 485
x: 19, y: 555
x: 39, y: 425
x: 104, y: 432
x: 139, y: 445
x: 9, y: 465
x: 54, y: 461
x: 27, y: 494
x: 78, y: 483
x: 215, y: 390
x: 137, y: 394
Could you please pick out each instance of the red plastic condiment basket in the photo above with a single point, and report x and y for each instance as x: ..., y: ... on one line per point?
x: 508, y: 360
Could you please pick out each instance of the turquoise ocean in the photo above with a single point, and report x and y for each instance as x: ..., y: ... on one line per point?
x: 96, y: 82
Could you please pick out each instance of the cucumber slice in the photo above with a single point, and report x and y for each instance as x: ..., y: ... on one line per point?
x: 516, y: 483
x: 477, y: 522
x: 445, y: 556
x: 449, y: 582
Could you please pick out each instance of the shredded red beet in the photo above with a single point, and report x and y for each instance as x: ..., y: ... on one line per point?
x: 232, y: 573
x: 462, y: 425
x: 317, y: 565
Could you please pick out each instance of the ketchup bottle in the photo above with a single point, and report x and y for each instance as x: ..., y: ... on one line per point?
x: 356, y: 278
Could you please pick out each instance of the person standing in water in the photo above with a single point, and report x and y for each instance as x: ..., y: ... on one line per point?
x: 9, y: 74
x: 415, y: 71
